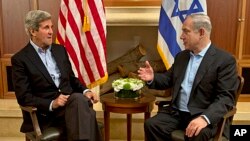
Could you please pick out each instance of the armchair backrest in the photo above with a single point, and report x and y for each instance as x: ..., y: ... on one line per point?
x: 240, y: 84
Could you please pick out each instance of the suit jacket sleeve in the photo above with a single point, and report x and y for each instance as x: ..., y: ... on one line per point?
x: 162, y: 81
x: 166, y: 80
x: 225, y: 91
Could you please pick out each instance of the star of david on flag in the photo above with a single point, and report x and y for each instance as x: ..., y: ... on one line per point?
x: 172, y: 15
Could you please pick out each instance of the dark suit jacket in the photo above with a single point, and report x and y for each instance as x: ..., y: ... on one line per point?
x: 214, y: 87
x: 33, y: 84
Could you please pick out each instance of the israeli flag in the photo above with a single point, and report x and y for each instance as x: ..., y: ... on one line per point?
x: 172, y: 15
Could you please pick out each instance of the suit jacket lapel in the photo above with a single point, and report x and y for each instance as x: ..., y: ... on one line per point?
x: 181, y: 72
x: 57, y: 55
x: 204, y: 66
x: 36, y: 60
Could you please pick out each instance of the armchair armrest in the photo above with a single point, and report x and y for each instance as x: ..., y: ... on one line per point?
x: 230, y: 113
x: 162, y: 103
x: 221, y: 124
x: 32, y: 112
x: 28, y: 108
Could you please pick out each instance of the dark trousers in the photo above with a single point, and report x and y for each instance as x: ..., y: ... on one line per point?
x: 159, y: 127
x: 77, y: 118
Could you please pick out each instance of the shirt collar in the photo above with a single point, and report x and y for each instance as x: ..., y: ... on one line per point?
x: 38, y: 49
x: 203, y: 52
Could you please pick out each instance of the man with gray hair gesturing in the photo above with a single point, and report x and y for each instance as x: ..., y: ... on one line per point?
x: 43, y: 78
x: 202, y: 79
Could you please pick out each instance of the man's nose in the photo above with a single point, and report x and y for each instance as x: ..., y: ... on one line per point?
x: 51, y: 30
x: 181, y: 37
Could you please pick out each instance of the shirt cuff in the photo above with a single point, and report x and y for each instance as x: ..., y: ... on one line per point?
x: 207, y: 120
x: 150, y: 82
x: 87, y: 90
x: 50, y: 106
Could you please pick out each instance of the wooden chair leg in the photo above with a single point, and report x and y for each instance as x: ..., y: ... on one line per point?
x: 26, y: 138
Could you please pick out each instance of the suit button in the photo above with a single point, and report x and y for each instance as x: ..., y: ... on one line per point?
x: 59, y: 90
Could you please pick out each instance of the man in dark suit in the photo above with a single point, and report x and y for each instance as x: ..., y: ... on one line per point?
x: 43, y: 78
x: 203, y: 81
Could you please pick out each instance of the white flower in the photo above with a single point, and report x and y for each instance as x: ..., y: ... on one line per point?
x: 127, y: 84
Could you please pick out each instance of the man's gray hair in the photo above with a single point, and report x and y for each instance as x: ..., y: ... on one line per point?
x: 201, y: 20
x: 34, y: 18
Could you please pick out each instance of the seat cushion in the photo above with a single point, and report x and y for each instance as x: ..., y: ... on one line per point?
x: 177, y: 135
x: 49, y: 134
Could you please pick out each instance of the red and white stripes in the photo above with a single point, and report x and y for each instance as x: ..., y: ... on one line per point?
x: 87, y: 49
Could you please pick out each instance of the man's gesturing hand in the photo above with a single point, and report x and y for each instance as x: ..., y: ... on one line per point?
x: 146, y: 73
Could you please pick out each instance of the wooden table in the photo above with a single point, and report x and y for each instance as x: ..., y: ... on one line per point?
x: 144, y: 104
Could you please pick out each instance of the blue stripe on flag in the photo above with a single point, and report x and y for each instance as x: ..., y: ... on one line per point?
x: 168, y: 33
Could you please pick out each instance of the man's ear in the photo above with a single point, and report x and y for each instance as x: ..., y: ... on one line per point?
x: 202, y: 32
x: 32, y: 32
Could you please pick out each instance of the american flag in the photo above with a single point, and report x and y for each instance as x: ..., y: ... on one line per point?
x: 82, y: 30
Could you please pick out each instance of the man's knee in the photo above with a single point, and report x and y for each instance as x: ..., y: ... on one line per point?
x: 156, y: 130
x: 149, y: 123
x: 152, y: 124
x: 78, y: 98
